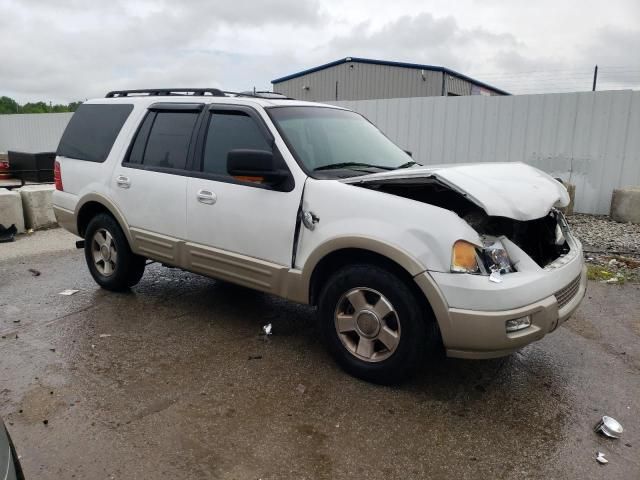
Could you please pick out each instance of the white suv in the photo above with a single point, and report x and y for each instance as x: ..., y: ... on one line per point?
x: 313, y: 203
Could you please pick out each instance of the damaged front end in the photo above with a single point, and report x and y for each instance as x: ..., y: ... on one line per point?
x: 506, y: 204
x: 544, y: 240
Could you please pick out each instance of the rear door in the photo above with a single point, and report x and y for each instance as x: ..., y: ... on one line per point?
x: 149, y: 187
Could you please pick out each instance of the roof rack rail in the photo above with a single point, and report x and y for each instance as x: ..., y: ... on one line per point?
x: 262, y: 94
x: 214, y: 92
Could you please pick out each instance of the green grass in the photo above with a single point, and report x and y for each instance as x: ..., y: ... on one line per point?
x: 601, y: 274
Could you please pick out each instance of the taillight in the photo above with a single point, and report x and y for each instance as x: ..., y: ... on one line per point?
x: 4, y: 169
x: 57, y: 176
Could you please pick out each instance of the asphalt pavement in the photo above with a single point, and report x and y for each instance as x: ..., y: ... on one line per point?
x: 175, y: 380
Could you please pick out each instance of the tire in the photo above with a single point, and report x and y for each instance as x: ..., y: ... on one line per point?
x: 110, y: 260
x: 360, y: 300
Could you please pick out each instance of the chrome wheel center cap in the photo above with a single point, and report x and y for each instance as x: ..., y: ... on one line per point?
x: 105, y: 252
x: 368, y: 324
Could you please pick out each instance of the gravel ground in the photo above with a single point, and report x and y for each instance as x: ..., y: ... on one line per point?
x: 612, y: 249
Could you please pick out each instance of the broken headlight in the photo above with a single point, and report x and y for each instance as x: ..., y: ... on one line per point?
x: 492, y: 257
x: 495, y: 256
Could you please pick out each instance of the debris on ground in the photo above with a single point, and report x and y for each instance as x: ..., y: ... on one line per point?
x: 69, y: 291
x: 609, y: 427
x: 34, y: 272
x: 612, y: 249
x: 255, y: 357
x: 266, y: 329
x: 600, y: 458
x: 104, y: 335
x: 301, y: 388
x: 7, y: 234
x: 45, y: 421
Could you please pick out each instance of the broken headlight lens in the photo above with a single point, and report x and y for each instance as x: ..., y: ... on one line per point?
x: 495, y: 256
x: 468, y: 258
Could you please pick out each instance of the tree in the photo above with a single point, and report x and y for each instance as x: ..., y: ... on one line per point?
x: 8, y: 105
x: 37, y: 107
x: 73, y: 106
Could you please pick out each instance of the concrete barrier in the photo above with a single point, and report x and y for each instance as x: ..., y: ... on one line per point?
x: 37, y: 206
x: 11, y: 209
x: 625, y: 205
x: 571, y: 189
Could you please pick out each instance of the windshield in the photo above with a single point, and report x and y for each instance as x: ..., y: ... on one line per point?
x: 326, y: 139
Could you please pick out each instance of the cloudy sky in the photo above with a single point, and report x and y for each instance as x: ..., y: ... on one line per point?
x: 63, y: 50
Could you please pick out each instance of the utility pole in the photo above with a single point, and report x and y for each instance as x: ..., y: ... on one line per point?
x: 595, y: 78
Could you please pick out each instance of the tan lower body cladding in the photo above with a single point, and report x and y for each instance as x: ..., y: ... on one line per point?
x: 246, y: 271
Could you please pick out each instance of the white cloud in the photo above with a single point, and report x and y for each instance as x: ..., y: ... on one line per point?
x: 74, y: 49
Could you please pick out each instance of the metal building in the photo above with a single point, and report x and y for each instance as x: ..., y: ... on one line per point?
x: 354, y: 78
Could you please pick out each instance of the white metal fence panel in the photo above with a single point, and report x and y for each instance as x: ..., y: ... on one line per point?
x: 591, y: 139
x: 36, y: 132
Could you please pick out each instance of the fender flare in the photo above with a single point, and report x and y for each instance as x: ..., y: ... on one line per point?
x: 110, y: 206
x: 300, y: 288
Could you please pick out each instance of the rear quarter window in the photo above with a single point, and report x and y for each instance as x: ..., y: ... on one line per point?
x: 92, y: 131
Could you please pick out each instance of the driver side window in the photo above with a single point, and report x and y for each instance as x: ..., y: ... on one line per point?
x: 230, y: 130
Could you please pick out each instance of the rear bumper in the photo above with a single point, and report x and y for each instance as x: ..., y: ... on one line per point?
x: 64, y: 208
x: 476, y: 334
x: 66, y: 219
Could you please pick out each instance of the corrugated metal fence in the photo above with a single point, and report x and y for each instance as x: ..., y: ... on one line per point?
x: 590, y: 139
x: 36, y: 132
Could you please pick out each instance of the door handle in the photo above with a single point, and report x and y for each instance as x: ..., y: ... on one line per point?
x: 206, y: 196
x: 123, y: 182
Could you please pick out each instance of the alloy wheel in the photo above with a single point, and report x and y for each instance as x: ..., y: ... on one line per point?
x: 105, y: 255
x: 367, y: 324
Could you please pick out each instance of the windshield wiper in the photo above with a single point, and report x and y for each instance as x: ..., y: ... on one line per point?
x: 410, y: 163
x: 335, y: 166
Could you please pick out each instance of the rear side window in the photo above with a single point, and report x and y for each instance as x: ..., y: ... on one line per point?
x: 229, y: 131
x: 92, y: 131
x: 137, y: 150
x: 163, y: 140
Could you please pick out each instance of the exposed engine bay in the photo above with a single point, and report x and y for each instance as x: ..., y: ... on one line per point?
x: 543, y: 239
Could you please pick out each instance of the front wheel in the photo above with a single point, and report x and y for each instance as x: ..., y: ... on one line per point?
x: 110, y: 260
x: 376, y: 327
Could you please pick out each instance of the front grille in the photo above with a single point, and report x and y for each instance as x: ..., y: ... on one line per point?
x: 564, y: 295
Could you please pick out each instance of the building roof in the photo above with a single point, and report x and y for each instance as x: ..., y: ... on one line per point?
x: 417, y: 66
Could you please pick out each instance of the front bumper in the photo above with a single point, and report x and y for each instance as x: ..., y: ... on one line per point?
x: 480, y: 334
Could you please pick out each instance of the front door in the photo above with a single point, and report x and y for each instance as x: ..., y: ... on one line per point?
x: 239, y: 230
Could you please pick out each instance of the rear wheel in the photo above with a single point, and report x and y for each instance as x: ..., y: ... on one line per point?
x: 376, y: 327
x: 110, y: 260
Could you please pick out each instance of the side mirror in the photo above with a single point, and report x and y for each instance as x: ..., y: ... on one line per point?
x: 256, y: 166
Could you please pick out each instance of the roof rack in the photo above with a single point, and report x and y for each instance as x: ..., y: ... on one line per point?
x: 262, y: 94
x: 214, y: 92
x: 164, y: 92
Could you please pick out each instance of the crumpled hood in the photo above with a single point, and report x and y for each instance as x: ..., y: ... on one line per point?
x: 513, y: 190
